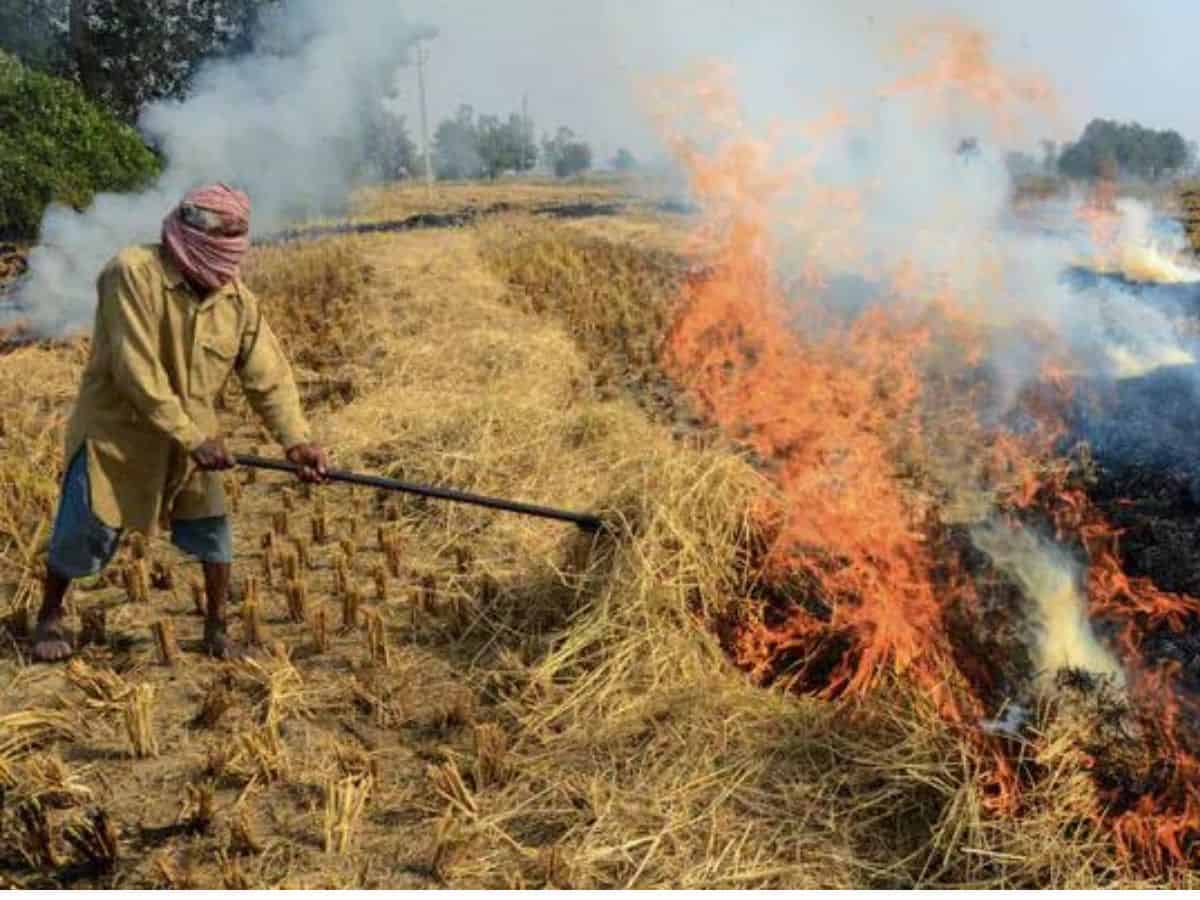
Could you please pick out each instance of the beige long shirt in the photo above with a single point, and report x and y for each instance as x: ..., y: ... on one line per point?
x: 160, y: 354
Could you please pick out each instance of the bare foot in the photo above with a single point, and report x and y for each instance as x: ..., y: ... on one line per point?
x: 219, y: 645
x: 50, y: 642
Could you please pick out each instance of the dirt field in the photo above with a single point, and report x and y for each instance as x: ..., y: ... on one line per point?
x: 451, y: 697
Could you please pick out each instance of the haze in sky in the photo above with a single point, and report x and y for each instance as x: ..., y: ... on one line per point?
x: 581, y: 63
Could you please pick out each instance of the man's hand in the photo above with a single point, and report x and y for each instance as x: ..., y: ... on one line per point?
x: 212, y: 455
x: 312, y: 460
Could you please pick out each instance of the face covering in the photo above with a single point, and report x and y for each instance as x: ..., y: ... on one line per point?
x: 208, y: 234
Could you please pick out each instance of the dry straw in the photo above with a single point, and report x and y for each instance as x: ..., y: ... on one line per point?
x: 345, y: 800
x: 297, y: 600
x: 377, y: 640
x: 164, y: 639
x: 199, y: 807
x: 351, y: 603
x: 320, y: 522
x: 341, y: 574
x: 243, y: 837
x: 259, y: 752
x: 21, y: 731
x: 319, y: 627
x: 217, y: 700
x: 268, y: 565
x: 47, y: 779
x: 491, y: 755
x: 96, y: 842
x: 102, y: 688
x: 320, y: 528
x: 162, y: 576
x: 252, y: 632
x: 137, y: 581
x: 139, y: 721
x: 395, y: 559
x: 36, y: 837
x: 300, y: 545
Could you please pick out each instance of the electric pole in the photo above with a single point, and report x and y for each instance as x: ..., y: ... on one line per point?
x: 422, y: 58
x: 527, y: 138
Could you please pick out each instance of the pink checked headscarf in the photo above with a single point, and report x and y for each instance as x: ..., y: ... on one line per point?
x: 208, y: 247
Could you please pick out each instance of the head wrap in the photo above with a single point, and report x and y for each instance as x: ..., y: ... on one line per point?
x: 208, y: 234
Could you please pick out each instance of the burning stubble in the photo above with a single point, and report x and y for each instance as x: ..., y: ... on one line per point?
x: 1051, y: 583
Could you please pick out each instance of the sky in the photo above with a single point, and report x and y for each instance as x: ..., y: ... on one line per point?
x: 581, y: 64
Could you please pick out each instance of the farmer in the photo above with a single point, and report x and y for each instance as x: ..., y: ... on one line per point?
x: 143, y: 450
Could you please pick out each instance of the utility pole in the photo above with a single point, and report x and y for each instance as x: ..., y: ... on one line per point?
x: 422, y: 58
x: 526, y: 138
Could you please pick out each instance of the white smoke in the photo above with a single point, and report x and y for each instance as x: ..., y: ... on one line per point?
x: 1063, y: 636
x: 286, y: 124
x: 946, y: 219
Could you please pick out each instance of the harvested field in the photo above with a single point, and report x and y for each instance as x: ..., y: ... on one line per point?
x: 449, y: 697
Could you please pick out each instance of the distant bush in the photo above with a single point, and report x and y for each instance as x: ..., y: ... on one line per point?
x: 58, y: 147
x: 624, y: 161
x: 566, y: 154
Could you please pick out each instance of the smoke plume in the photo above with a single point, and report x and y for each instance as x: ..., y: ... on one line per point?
x: 1064, y: 638
x: 286, y: 124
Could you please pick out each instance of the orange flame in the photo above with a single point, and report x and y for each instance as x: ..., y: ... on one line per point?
x: 846, y: 414
x: 961, y: 68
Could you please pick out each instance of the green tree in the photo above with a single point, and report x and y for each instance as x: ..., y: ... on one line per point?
x: 1127, y: 148
x: 505, y: 146
x: 389, y: 153
x: 566, y: 154
x: 624, y: 161
x: 35, y: 31
x: 127, y: 53
x: 456, y: 146
x: 58, y: 147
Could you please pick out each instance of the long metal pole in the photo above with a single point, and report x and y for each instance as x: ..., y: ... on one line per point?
x: 586, y: 521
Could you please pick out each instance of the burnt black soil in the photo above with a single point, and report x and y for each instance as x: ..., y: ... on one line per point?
x: 459, y: 218
x: 1144, y: 436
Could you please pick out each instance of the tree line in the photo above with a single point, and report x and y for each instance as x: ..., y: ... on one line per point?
x: 467, y: 145
x: 1108, y: 149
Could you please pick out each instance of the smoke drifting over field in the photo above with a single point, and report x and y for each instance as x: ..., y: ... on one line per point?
x: 286, y: 124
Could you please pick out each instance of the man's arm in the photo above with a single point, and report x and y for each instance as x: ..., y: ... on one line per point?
x: 267, y: 381
x: 131, y: 311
